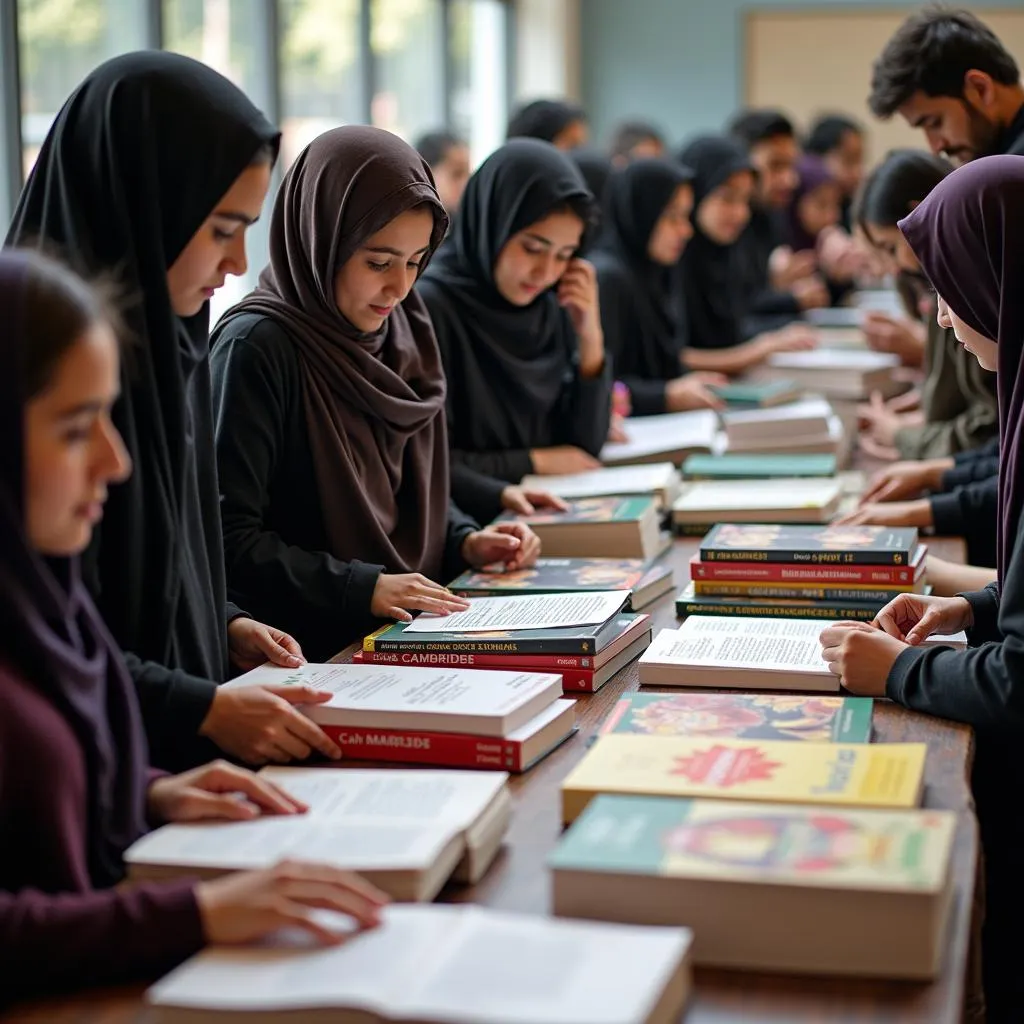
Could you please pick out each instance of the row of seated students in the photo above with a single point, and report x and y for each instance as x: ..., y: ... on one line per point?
x: 331, y: 462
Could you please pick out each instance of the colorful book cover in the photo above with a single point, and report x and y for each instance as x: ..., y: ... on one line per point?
x: 746, y: 716
x: 862, y: 775
x: 892, y: 851
x: 757, y: 467
x: 589, y: 510
x: 838, y: 544
x: 570, y: 640
x: 857, y: 593
x: 554, y: 576
x: 789, y: 573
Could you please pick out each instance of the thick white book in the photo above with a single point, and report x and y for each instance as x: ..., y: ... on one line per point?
x: 834, y: 360
x: 669, y: 437
x: 407, y: 830
x: 807, y: 417
x: 783, y: 500
x: 839, y: 373
x: 661, y: 479
x: 525, y: 611
x: 485, y: 702
x: 444, y: 964
x: 831, y: 441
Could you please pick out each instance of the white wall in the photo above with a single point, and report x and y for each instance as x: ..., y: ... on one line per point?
x: 548, y: 49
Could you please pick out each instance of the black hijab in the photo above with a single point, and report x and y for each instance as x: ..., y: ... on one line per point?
x: 136, y: 160
x: 50, y: 630
x: 596, y: 169
x: 712, y: 287
x: 543, y: 119
x: 966, y: 234
x: 640, y: 306
x: 507, y: 365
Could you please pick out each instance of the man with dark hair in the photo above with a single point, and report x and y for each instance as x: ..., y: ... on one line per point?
x: 839, y: 141
x: 448, y: 157
x: 635, y: 140
x: 946, y: 72
x: 781, y: 283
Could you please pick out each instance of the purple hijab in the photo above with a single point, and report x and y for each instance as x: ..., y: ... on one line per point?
x: 50, y: 631
x: 813, y: 173
x: 968, y: 236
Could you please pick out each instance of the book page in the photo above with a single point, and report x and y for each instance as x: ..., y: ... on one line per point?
x: 530, y: 970
x: 726, y: 495
x: 393, y: 688
x: 463, y: 965
x: 673, y: 431
x: 612, y: 480
x: 776, y: 645
x: 539, y: 611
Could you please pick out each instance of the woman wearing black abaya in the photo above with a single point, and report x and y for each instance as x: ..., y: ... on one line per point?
x: 330, y: 397
x: 517, y: 318
x: 712, y: 287
x: 645, y: 229
x: 151, y: 173
x: 968, y: 236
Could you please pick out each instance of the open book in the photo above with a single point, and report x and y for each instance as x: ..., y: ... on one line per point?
x: 670, y: 437
x: 463, y: 965
x: 658, y: 478
x: 407, y: 831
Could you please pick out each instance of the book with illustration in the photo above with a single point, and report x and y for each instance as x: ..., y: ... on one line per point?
x: 853, y: 774
x: 840, y: 544
x: 769, y: 887
x: 745, y: 716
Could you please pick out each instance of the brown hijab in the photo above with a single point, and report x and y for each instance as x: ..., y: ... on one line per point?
x: 374, y: 402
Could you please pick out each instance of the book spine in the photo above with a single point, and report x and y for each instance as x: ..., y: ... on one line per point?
x: 505, y: 646
x: 821, y: 575
x: 451, y: 750
x: 538, y: 663
x: 859, y: 613
x: 801, y: 556
x: 865, y: 595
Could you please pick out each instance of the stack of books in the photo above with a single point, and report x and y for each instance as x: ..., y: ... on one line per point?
x: 408, y: 831
x: 839, y: 373
x: 585, y: 657
x: 795, y: 571
x: 809, y: 426
x: 645, y: 582
x: 424, y: 713
x: 609, y: 527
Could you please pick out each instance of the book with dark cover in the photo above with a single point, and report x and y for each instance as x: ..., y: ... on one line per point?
x: 571, y: 640
x: 820, y: 545
x: 690, y: 603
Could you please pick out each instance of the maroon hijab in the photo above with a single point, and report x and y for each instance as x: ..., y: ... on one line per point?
x: 968, y: 236
x: 813, y: 173
x: 374, y: 403
x: 50, y: 631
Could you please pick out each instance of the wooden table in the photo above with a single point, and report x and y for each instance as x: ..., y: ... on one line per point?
x: 518, y: 880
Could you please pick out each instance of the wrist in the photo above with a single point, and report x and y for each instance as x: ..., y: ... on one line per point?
x: 966, y: 612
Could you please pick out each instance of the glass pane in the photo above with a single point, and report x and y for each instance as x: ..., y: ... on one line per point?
x: 225, y: 35
x: 479, y: 69
x: 321, y: 70
x: 60, y: 42
x: 408, y: 49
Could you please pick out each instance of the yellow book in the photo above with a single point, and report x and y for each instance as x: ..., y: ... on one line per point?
x: 854, y: 774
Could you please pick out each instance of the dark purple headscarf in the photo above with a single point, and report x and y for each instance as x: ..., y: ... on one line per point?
x: 968, y: 236
x: 50, y: 631
x: 813, y: 173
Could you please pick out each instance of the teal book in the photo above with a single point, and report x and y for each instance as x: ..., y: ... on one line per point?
x: 757, y: 467
x: 760, y: 716
x: 758, y: 395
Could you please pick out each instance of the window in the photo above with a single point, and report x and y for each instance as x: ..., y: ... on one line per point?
x: 322, y: 70
x: 60, y: 42
x: 407, y: 42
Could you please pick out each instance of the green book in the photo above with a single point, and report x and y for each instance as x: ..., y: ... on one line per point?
x: 757, y: 467
x: 759, y: 395
x: 744, y: 716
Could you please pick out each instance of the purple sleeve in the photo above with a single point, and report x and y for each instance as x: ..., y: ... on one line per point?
x: 129, y: 933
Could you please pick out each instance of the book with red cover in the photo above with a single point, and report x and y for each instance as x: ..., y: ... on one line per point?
x: 516, y: 752
x: 574, y: 680
x: 834, y: 575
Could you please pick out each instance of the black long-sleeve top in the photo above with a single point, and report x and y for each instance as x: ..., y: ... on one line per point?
x: 275, y: 540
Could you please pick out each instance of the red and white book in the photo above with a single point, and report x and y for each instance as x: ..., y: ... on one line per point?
x: 819, y: 575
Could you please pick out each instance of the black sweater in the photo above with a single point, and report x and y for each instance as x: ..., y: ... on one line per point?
x: 275, y: 540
